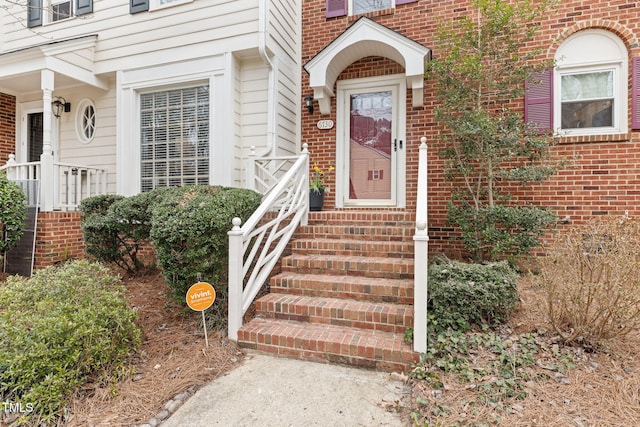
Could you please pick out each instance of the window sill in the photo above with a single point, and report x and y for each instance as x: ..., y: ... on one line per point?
x: 580, y: 139
x: 373, y: 14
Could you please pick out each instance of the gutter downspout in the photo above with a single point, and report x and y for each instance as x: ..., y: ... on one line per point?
x: 263, y: 11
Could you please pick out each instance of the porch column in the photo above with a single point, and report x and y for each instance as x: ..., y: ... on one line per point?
x: 47, y: 187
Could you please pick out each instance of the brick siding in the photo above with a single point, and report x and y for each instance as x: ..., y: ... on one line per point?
x: 7, y: 126
x: 59, y: 238
x: 605, y: 176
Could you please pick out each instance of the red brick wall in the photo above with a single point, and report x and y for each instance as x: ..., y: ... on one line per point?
x: 58, y: 239
x: 7, y: 126
x: 605, y: 178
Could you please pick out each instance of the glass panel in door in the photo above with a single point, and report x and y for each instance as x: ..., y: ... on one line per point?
x: 34, y: 136
x: 370, y: 160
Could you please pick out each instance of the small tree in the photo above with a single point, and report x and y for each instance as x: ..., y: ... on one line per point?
x: 13, y: 211
x: 488, y: 148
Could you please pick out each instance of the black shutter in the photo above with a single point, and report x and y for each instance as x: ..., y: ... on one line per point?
x: 136, y: 6
x: 34, y: 13
x: 84, y: 6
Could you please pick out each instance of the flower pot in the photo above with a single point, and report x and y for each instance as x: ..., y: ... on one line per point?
x: 316, y: 200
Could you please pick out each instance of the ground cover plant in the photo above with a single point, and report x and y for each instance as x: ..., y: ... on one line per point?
x: 58, y: 328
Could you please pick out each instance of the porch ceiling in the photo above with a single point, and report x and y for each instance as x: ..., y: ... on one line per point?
x: 71, y: 60
x: 366, y: 38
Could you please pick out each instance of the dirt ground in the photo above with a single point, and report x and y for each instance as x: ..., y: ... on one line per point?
x: 173, y: 358
x: 603, y: 389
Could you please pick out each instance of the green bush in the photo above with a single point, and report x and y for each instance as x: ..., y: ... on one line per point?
x: 590, y: 276
x: 461, y: 295
x: 56, y: 328
x: 189, y: 232
x: 115, y: 228
x: 13, y: 211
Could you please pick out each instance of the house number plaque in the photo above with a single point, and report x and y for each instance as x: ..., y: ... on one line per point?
x: 325, y: 124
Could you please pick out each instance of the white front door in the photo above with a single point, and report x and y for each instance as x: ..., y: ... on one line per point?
x: 370, y: 143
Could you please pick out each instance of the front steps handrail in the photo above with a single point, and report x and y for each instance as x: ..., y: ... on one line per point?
x: 256, y: 247
x: 421, y: 250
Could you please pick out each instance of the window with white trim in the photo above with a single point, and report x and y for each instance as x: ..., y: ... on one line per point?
x: 336, y: 8
x: 60, y: 10
x: 174, y: 137
x: 161, y: 4
x: 86, y: 121
x: 590, y: 81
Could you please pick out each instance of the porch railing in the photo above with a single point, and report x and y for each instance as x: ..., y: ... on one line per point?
x: 421, y: 249
x: 71, y: 183
x: 256, y: 246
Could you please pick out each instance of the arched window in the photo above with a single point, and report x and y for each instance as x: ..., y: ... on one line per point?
x: 590, y: 84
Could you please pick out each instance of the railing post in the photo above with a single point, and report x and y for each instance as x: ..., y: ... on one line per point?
x: 305, y: 152
x: 421, y: 253
x: 11, y: 170
x: 235, y: 279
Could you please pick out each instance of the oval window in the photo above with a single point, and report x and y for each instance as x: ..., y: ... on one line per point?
x: 86, y: 121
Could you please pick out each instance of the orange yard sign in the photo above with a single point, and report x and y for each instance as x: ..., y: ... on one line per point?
x: 200, y: 296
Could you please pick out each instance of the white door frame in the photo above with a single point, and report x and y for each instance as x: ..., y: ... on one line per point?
x: 397, y: 84
x: 22, y: 149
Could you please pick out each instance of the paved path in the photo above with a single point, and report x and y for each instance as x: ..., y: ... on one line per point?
x: 270, y: 391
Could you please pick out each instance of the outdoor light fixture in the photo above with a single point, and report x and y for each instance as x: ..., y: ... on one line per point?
x: 60, y: 105
x: 308, y: 102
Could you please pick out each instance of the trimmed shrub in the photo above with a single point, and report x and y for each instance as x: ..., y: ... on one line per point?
x: 189, y: 232
x: 13, y: 211
x: 592, y: 281
x: 56, y: 329
x: 115, y: 228
x: 461, y: 295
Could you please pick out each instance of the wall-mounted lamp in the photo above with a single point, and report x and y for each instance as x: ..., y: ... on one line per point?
x: 308, y: 102
x: 60, y: 105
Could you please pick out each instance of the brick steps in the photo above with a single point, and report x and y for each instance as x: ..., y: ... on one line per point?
x: 345, y: 247
x: 352, y: 287
x: 335, y: 311
x: 328, y: 343
x: 344, y: 295
x: 349, y: 265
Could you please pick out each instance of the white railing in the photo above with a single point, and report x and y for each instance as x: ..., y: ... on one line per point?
x: 421, y: 249
x: 71, y: 183
x: 256, y: 247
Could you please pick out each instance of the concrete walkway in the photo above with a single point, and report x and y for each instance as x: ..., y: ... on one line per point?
x: 270, y: 391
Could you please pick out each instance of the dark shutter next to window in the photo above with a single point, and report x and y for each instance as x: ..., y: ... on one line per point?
x: 34, y: 13
x: 538, y: 101
x: 405, y: 1
x: 336, y: 8
x: 635, y: 95
x: 136, y: 6
x: 84, y: 6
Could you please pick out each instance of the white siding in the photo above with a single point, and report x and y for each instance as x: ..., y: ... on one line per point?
x: 126, y: 40
x: 213, y: 40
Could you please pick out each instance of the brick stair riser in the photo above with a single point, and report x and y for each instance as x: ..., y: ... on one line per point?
x: 368, y: 233
x: 356, y: 288
x: 377, y: 218
x: 378, y: 317
x: 369, y: 267
x: 368, y: 349
x: 353, y: 248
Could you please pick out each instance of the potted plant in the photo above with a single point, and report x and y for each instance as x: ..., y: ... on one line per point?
x: 317, y: 188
